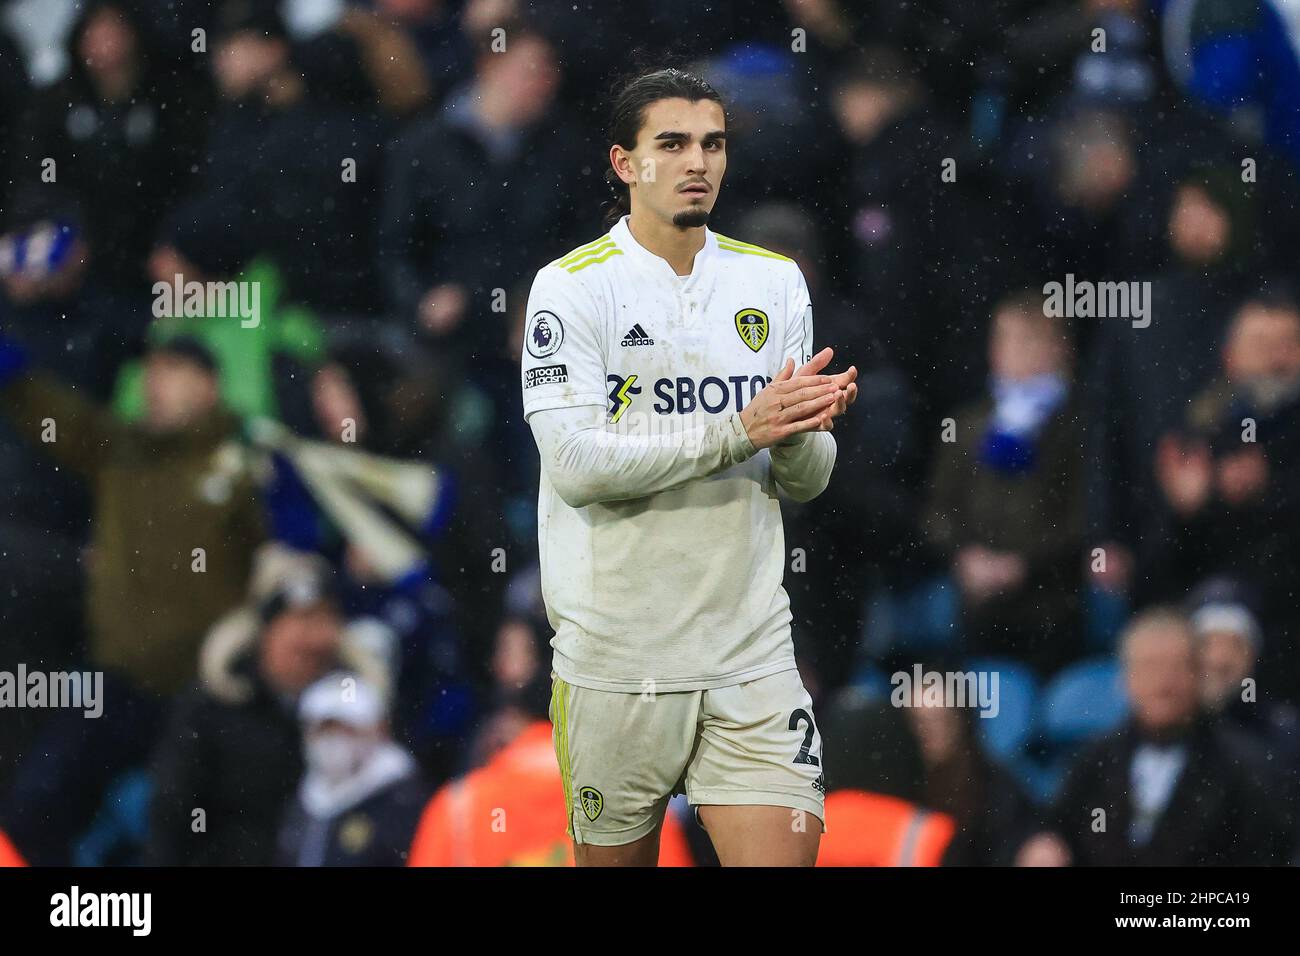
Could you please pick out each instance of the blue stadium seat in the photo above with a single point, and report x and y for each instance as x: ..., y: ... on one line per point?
x: 1083, y: 701
x: 872, y: 682
x: 1005, y: 735
x: 120, y: 826
x: 920, y: 618
x: 1040, y: 781
x: 1104, y: 614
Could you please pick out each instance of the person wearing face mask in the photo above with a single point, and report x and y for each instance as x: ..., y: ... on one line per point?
x: 1005, y: 506
x: 361, y: 796
x: 231, y: 757
x: 1230, y: 477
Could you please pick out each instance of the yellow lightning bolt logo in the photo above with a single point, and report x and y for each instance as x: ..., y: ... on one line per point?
x: 619, y: 396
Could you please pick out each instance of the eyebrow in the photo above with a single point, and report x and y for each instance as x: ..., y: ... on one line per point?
x: 675, y: 135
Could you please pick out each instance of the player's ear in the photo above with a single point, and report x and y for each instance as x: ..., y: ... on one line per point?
x: 621, y: 161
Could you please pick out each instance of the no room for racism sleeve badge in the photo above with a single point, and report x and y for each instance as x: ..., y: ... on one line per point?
x: 752, y: 326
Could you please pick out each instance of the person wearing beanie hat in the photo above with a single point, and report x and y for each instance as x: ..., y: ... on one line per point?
x: 234, y: 745
x: 1229, y: 642
x: 361, y: 796
x: 189, y: 348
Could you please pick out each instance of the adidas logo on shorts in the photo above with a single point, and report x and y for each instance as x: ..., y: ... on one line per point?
x: 637, y: 336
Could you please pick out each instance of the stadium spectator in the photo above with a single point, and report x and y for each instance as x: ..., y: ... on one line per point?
x: 409, y: 404
x: 917, y: 768
x: 392, y: 62
x: 9, y: 855
x: 770, y: 108
x: 991, y: 811
x: 1231, y: 473
x: 899, y: 214
x: 1142, y: 371
x: 434, y: 28
x: 175, y: 524
x: 1230, y: 639
x: 920, y: 163
x: 308, y: 112
x: 230, y: 758
x: 1083, y: 204
x: 874, y: 829
x: 121, y: 141
x: 1239, y: 59
x: 163, y: 487
x: 517, y: 666
x: 1006, y: 497
x: 361, y: 797
x: 467, y: 189
x: 366, y: 399
x: 1057, y: 54
x: 1172, y: 787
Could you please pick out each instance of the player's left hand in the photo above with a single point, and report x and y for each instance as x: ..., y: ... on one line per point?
x: 847, y: 380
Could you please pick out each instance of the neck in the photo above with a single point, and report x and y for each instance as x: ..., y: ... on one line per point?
x: 675, y: 245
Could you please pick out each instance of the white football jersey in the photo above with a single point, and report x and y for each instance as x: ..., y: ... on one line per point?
x: 678, y: 590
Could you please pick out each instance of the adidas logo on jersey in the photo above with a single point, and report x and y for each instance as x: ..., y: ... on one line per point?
x: 637, y: 336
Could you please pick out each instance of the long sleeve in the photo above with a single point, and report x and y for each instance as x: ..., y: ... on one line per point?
x: 408, y: 206
x: 801, y: 465
x: 802, y: 468
x: 589, y: 461
x: 82, y: 431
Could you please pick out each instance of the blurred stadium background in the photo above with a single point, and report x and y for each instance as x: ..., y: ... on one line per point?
x: 239, y: 511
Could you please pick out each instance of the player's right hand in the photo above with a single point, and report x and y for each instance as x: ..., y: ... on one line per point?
x: 792, y: 404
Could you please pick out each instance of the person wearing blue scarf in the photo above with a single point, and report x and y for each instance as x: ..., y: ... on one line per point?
x: 1005, y: 505
x: 1021, y: 407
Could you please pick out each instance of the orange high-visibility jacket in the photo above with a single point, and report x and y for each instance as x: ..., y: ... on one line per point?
x: 872, y: 829
x: 510, y: 812
x: 9, y: 855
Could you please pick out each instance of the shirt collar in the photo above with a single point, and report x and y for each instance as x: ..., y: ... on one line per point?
x: 624, y: 239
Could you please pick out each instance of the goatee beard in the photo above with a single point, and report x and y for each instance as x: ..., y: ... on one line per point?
x: 691, y: 218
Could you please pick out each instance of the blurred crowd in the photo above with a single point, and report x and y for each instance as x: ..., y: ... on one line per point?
x: 293, y: 522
